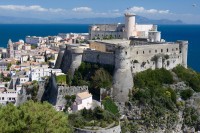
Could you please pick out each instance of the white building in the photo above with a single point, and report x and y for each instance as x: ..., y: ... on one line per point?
x: 35, y: 40
x: 8, y: 96
x: 83, y: 100
x: 123, y: 31
x: 64, y: 35
x: 23, y: 79
x: 38, y: 73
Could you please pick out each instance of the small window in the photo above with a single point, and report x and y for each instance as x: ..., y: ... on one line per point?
x: 149, y: 51
x: 126, y: 53
x: 155, y: 51
x: 143, y: 52
x: 167, y: 50
x: 137, y: 52
x: 172, y: 49
x: 176, y: 49
x: 161, y: 50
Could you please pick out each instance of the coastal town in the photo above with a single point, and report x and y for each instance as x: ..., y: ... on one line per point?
x: 34, y: 59
x: 104, y: 79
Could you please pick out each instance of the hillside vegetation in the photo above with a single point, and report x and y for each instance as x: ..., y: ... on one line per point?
x: 95, y: 76
x: 158, y: 104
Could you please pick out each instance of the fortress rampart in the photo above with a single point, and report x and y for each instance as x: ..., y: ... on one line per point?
x: 140, y: 49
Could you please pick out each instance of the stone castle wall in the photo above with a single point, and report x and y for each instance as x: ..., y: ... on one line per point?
x: 68, y: 90
x: 142, y: 56
x: 98, y: 57
x: 123, y: 78
x: 66, y: 61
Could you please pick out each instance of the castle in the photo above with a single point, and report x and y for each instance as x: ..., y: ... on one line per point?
x: 130, y: 47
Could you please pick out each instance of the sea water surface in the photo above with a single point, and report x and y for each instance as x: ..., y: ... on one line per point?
x: 169, y: 33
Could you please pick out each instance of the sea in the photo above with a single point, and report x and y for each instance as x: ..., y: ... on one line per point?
x: 169, y: 32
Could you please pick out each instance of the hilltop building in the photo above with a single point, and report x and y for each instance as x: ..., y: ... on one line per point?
x: 131, y: 48
x: 83, y: 100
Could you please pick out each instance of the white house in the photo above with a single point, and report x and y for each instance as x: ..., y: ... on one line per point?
x: 38, y: 73
x: 83, y: 100
x: 35, y: 40
x: 8, y: 96
x: 23, y: 79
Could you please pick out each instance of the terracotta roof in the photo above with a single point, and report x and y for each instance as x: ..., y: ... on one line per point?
x: 84, y: 95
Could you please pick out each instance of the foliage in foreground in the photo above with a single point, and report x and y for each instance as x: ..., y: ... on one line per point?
x: 92, y: 118
x: 32, y: 117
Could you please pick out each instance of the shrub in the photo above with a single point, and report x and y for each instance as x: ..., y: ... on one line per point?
x: 61, y: 79
x: 186, y: 94
x: 110, y: 106
x: 189, y: 76
x: 153, y: 78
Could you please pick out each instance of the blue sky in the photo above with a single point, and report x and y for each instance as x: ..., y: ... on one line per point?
x: 186, y: 10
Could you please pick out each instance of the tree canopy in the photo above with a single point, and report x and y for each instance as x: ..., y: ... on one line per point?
x: 32, y: 117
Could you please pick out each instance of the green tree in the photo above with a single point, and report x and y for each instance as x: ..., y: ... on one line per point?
x: 33, y: 118
x: 101, y: 79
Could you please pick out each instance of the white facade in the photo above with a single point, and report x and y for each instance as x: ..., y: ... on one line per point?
x: 83, y: 100
x: 64, y: 35
x: 9, y: 96
x: 35, y: 40
x: 38, y: 73
x: 23, y: 79
x: 120, y: 31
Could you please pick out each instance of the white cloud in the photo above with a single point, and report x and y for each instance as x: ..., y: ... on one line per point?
x: 35, y: 8
x: 82, y: 9
x: 136, y: 9
x: 115, y: 10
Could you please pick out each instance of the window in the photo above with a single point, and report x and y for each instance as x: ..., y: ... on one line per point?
x: 161, y: 50
x: 143, y: 52
x: 176, y: 49
x: 126, y: 53
x: 155, y: 51
x: 172, y: 49
x: 167, y: 50
x: 149, y: 51
x: 137, y: 52
x: 2, y: 98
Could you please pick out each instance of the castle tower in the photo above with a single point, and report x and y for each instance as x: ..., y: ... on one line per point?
x: 76, y: 59
x: 183, y: 45
x: 60, y: 57
x: 123, y: 78
x: 129, y: 25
